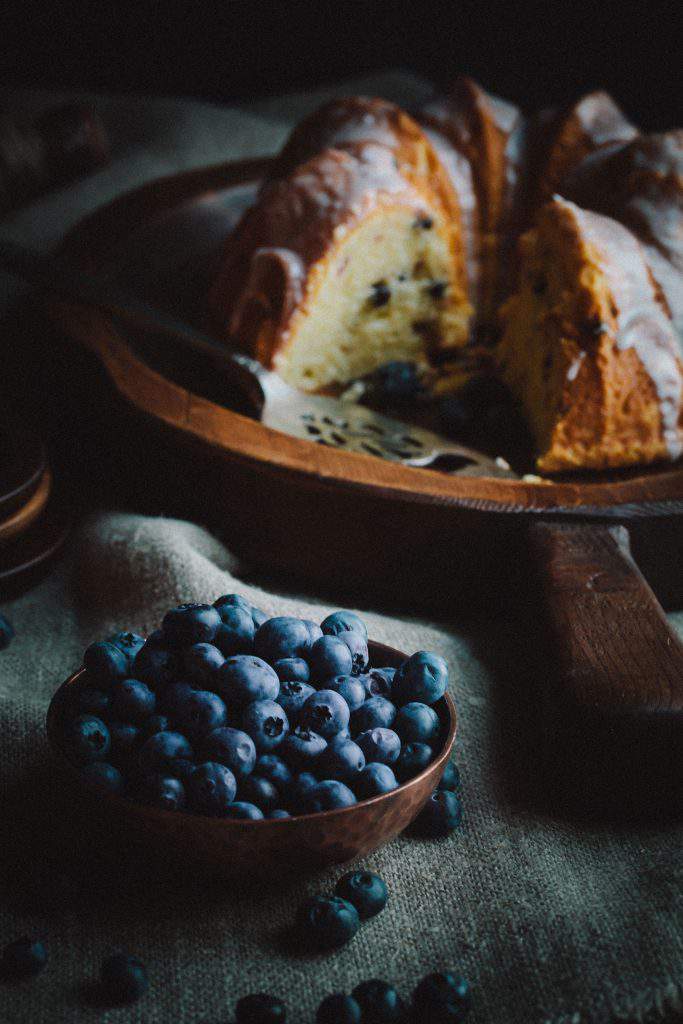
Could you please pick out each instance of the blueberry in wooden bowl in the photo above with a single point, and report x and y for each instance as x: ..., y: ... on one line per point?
x: 179, y: 812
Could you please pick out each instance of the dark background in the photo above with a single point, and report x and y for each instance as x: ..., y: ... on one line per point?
x: 533, y: 53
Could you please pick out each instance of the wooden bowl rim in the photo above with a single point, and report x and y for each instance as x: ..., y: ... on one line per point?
x: 141, y: 811
x: 653, y: 491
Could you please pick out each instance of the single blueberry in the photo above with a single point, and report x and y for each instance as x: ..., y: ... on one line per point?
x: 442, y: 998
x: 350, y: 688
x: 255, y: 790
x: 327, y: 922
x: 231, y: 747
x: 340, y: 622
x: 6, y: 633
x: 132, y: 700
x: 343, y: 759
x: 260, y: 1008
x: 338, y: 1009
x: 292, y: 697
x: 123, y: 978
x: 273, y: 768
x: 278, y: 812
x: 302, y: 747
x: 292, y: 670
x: 326, y: 713
x: 450, y: 778
x: 154, y: 664
x: 211, y: 789
x: 329, y: 795
x: 375, y: 713
x: 243, y: 810
x: 266, y: 723
x: 102, y: 777
x: 244, y: 677
x: 200, y: 713
x: 440, y: 815
x: 417, y: 723
x: 190, y: 624
x: 129, y: 643
x: 380, y: 1003
x: 235, y: 635
x: 329, y: 656
x: 282, y: 637
x: 358, y: 648
x: 374, y: 780
x: 201, y: 663
x: 155, y: 723
x: 173, y: 697
x: 105, y: 662
x: 227, y: 601
x: 87, y: 739
x: 298, y: 792
x: 22, y: 958
x: 158, y: 753
x: 379, y: 744
x: 163, y: 791
x: 423, y: 677
x: 378, y: 681
x: 367, y: 891
x: 413, y: 759
x: 87, y: 700
x: 124, y: 738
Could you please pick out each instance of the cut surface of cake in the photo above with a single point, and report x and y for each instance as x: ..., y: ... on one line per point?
x: 589, y: 348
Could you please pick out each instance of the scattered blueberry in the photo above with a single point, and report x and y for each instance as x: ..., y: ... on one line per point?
x: 450, y: 778
x: 378, y: 681
x: 358, y: 648
x: 350, y: 688
x: 329, y: 795
x: 102, y: 777
x: 292, y: 697
x: 210, y: 789
x: 244, y: 677
x: 329, y: 656
x: 6, y: 633
x: 244, y: 811
x: 132, y: 699
x: 326, y: 713
x: 423, y: 677
x: 255, y: 790
x: 23, y: 958
x: 282, y: 637
x: 294, y: 670
x: 440, y: 815
x: 200, y: 714
x: 266, y: 723
x: 201, y: 663
x: 417, y: 723
x: 235, y: 634
x: 380, y: 1003
x: 124, y: 978
x: 367, y: 892
x: 413, y: 759
x: 105, y: 662
x: 231, y: 747
x: 339, y: 622
x: 260, y: 1008
x: 278, y: 812
x: 338, y: 1009
x: 343, y: 760
x: 87, y: 739
x: 158, y: 753
x: 442, y: 998
x: 273, y: 768
x: 327, y: 922
x: 374, y: 780
x: 302, y: 747
x: 163, y: 791
x: 375, y: 713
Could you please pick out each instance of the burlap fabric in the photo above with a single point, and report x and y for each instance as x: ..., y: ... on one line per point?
x: 552, y: 920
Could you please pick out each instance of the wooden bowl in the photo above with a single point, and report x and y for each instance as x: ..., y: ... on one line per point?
x: 271, y: 848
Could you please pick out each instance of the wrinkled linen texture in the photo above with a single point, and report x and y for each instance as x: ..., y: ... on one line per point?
x: 551, y: 920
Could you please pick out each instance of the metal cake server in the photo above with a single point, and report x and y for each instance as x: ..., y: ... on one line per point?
x: 314, y: 418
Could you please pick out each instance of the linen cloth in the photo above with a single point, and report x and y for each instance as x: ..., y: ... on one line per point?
x: 552, y: 920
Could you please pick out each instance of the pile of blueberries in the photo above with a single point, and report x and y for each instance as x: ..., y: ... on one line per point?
x: 227, y: 713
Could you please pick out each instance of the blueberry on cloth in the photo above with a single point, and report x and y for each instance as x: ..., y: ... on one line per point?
x: 367, y: 892
x: 23, y: 958
x: 231, y: 747
x: 375, y: 713
x: 327, y: 922
x: 326, y: 713
x: 6, y: 632
x: 163, y: 791
x: 350, y: 688
x: 380, y: 1003
x: 282, y: 637
x: 329, y: 656
x: 302, y: 747
x: 329, y: 795
x: 190, y: 624
x: 87, y: 739
x: 210, y: 789
x: 450, y: 778
x: 293, y: 670
x: 123, y: 978
x: 200, y: 713
x: 292, y: 697
x: 256, y: 790
x: 244, y: 811
x: 235, y: 635
x: 338, y: 1009
x: 343, y: 759
x: 417, y: 723
x: 442, y: 998
x: 413, y: 759
x: 440, y: 815
x: 158, y: 753
x: 132, y: 700
x: 260, y: 1008
x: 273, y: 768
x: 378, y: 681
x: 245, y: 677
x: 105, y: 662
x: 379, y: 744
x: 340, y: 622
x: 422, y: 677
x: 102, y: 777
x: 201, y: 663
x: 374, y: 780
x: 358, y: 648
x: 266, y: 723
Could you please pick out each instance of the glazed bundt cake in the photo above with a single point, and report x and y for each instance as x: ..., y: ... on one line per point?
x: 378, y: 236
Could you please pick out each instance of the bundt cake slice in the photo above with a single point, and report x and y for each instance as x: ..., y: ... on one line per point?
x: 589, y: 348
x: 352, y: 255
